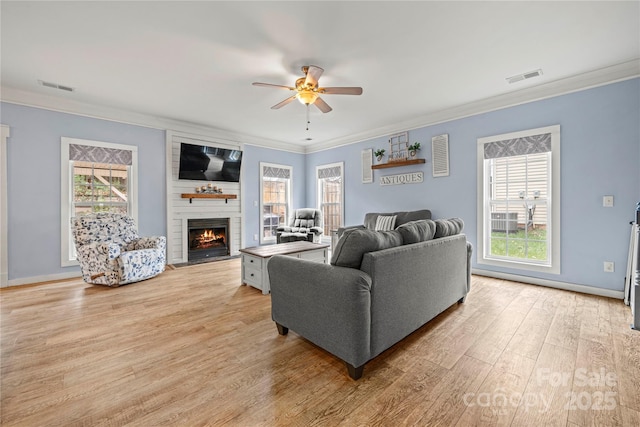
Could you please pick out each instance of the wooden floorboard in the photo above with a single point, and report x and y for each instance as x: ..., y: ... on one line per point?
x: 195, y: 347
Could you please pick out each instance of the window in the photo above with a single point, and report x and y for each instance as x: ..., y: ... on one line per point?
x: 330, y: 184
x: 99, y: 187
x: 96, y: 177
x: 519, y: 200
x: 275, y: 202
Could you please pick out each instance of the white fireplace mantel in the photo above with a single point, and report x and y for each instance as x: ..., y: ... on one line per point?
x: 180, y: 210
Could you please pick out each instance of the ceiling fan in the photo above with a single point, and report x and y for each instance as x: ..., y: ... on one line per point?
x: 308, y: 91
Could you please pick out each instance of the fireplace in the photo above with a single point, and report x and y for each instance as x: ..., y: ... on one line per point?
x: 207, y: 238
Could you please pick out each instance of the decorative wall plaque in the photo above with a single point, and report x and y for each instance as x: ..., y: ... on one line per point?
x: 403, y: 178
x: 367, y: 161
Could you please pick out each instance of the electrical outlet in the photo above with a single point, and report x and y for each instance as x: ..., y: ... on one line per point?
x: 608, y: 266
x: 255, y: 237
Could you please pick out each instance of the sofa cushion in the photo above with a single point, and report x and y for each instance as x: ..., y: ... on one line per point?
x: 417, y: 231
x: 356, y: 242
x: 448, y: 227
x: 385, y: 223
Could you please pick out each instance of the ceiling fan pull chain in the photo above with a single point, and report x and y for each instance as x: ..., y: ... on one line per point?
x: 308, y: 117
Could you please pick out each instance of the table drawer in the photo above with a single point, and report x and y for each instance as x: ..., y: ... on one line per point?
x: 251, y: 261
x: 317, y: 256
x: 252, y: 276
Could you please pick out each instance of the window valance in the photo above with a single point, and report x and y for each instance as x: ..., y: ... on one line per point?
x: 330, y: 172
x: 518, y: 146
x: 276, y: 172
x: 88, y: 153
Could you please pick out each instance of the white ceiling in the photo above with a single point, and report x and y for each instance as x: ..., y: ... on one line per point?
x: 416, y: 61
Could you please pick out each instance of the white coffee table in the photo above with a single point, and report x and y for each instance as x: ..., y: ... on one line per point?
x: 255, y: 259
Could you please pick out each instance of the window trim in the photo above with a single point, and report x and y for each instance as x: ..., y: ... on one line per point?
x: 66, y: 183
x: 327, y: 238
x: 272, y: 239
x: 553, y: 228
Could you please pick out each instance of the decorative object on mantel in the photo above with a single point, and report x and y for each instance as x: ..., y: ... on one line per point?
x: 208, y: 195
x: 402, y: 154
x: 413, y: 149
x: 209, y: 189
x: 379, y: 153
x: 403, y: 178
x: 398, y: 147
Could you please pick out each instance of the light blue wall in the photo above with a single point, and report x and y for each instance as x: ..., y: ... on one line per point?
x: 600, y: 137
x: 600, y: 155
x: 33, y: 168
x: 251, y: 184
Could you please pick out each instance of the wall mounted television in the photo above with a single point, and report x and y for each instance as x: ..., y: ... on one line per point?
x: 204, y: 163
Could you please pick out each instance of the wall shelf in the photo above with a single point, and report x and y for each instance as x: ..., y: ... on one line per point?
x: 192, y: 196
x: 396, y: 164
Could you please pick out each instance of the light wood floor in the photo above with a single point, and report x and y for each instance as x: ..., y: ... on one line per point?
x: 193, y: 347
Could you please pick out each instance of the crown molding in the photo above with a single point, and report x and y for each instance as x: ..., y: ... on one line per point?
x: 615, y: 73
x: 604, y: 76
x: 64, y: 105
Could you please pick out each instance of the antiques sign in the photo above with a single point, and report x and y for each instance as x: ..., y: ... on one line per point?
x: 404, y: 178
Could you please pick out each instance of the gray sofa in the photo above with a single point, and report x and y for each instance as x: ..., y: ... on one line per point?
x: 380, y: 287
x: 371, y: 218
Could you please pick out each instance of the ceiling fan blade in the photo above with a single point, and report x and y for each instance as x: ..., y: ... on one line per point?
x: 341, y: 90
x: 313, y: 74
x: 272, y: 85
x: 323, y: 106
x: 283, y: 103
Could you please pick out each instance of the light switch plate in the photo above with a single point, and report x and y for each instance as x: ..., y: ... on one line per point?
x: 607, y: 201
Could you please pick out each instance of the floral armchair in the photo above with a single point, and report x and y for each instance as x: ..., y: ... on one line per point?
x: 111, y: 253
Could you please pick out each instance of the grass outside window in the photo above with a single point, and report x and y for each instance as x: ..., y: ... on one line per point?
x: 531, y: 244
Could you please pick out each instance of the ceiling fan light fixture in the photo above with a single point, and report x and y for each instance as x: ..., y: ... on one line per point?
x: 307, y: 96
x: 308, y: 91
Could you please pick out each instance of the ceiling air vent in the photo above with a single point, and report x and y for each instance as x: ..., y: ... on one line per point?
x: 56, y: 86
x: 525, y: 76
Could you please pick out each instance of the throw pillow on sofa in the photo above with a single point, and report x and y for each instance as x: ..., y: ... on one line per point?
x: 354, y: 243
x: 385, y: 223
x: 417, y: 231
x: 448, y: 227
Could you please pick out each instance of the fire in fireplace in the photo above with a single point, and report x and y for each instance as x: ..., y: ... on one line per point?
x: 207, y: 238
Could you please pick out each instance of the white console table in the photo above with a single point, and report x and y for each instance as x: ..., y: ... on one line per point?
x: 255, y: 259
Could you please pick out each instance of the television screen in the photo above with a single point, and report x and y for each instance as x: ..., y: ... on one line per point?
x: 203, y: 163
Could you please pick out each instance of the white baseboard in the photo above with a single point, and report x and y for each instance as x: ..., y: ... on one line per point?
x: 44, y: 278
x: 551, y: 284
